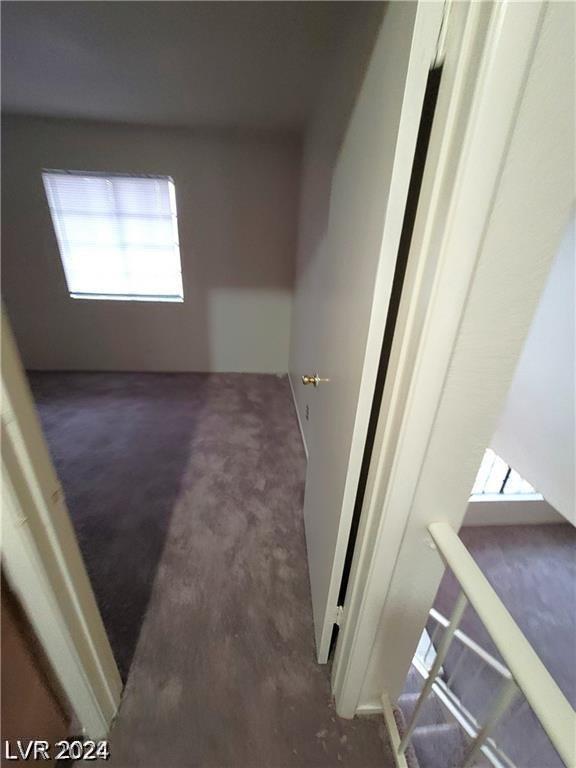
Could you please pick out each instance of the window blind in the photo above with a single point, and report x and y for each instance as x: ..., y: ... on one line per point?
x: 497, y: 477
x: 117, y: 235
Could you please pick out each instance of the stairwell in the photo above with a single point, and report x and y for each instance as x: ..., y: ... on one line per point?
x: 475, y: 693
x: 437, y: 741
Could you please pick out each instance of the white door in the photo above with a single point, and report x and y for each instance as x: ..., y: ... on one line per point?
x: 347, y: 295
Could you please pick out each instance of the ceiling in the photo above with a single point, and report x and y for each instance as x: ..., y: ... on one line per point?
x: 256, y: 64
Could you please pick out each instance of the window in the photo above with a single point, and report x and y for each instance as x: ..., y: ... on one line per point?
x: 495, y: 477
x: 118, y: 235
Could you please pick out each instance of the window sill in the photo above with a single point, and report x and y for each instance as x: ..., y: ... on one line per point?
x: 499, y: 497
x: 125, y: 297
x: 500, y: 509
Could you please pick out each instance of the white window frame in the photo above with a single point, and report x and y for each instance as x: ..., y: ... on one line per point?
x: 494, y: 466
x: 58, y: 217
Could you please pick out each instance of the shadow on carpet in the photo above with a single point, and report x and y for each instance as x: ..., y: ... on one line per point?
x: 120, y: 443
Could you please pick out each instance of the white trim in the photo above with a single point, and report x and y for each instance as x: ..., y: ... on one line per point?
x: 302, y: 435
x: 500, y: 497
x: 393, y: 733
x: 449, y: 303
x: 43, y: 563
x: 355, y: 643
x: 369, y: 708
x: 26, y: 573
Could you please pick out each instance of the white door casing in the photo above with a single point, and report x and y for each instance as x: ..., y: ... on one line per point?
x: 348, y: 307
x: 42, y: 562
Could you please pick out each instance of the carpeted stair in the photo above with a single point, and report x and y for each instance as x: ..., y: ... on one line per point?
x: 437, y: 741
x: 441, y: 745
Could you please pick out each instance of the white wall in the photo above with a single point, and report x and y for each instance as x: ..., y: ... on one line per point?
x: 237, y: 197
x: 535, y: 434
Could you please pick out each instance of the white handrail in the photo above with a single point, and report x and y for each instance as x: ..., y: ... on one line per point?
x: 541, y: 691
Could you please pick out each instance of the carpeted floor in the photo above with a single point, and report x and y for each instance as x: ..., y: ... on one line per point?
x: 186, y: 491
x: 120, y: 444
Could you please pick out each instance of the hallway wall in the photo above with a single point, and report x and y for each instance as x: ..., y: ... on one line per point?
x: 237, y: 195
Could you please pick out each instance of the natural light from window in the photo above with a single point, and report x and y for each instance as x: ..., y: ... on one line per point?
x: 496, y: 478
x: 117, y: 234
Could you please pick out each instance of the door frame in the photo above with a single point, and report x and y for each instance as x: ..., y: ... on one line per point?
x: 42, y: 561
x: 429, y: 394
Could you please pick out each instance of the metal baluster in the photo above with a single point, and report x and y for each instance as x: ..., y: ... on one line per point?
x: 443, y: 647
x: 508, y: 692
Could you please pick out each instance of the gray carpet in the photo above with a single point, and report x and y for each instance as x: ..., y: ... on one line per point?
x: 195, y: 483
x: 120, y: 444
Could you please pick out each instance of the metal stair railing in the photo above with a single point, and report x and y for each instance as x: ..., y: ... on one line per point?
x: 522, y: 669
x: 449, y: 699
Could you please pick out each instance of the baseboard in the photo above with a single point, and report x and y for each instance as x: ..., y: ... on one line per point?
x: 298, y: 416
x: 517, y: 511
x: 371, y: 708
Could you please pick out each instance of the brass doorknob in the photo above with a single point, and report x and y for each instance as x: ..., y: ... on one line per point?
x: 314, y: 379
